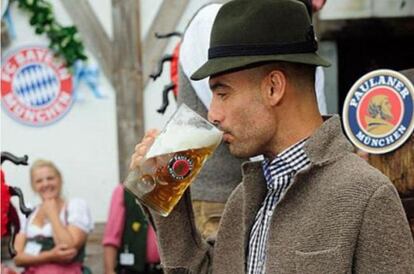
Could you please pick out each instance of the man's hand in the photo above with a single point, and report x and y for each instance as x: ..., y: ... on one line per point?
x: 142, y: 148
x: 62, y: 254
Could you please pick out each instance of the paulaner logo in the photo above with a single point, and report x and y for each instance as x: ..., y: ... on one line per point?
x: 180, y: 166
x: 378, y: 111
x: 36, y: 87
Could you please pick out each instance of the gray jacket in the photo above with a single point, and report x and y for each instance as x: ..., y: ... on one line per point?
x: 340, y: 215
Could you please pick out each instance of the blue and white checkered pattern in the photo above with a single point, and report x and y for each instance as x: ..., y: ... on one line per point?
x: 278, y: 173
x: 36, y: 85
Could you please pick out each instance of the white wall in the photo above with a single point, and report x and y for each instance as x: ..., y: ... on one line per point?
x: 148, y: 11
x: 83, y: 143
x: 103, y: 10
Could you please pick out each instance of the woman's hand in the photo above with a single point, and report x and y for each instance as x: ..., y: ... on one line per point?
x: 63, y: 233
x: 142, y: 148
x: 51, y: 208
x: 62, y: 254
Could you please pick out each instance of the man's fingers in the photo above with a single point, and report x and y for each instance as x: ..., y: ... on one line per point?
x: 142, y: 148
x: 135, y: 161
x: 150, y: 137
x: 152, y: 133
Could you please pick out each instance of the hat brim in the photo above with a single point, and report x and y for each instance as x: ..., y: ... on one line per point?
x: 224, y: 64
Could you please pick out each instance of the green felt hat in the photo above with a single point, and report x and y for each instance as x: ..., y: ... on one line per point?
x: 246, y: 32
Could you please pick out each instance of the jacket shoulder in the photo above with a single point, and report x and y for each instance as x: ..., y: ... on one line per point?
x: 352, y: 170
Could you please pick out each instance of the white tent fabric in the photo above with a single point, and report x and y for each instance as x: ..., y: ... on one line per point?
x: 194, y: 48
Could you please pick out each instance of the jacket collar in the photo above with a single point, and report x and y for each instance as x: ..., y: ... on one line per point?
x: 327, y: 144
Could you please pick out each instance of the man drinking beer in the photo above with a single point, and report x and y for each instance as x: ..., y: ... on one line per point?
x: 312, y: 206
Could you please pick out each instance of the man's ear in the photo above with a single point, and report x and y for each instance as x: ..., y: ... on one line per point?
x: 274, y: 87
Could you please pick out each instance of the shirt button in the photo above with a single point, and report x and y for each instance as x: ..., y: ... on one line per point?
x: 269, y: 213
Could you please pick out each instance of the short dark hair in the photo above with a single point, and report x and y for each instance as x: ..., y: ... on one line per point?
x: 300, y: 74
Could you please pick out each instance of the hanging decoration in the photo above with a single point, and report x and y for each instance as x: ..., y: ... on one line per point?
x: 64, y: 41
x: 89, y: 75
x: 173, y: 59
x: 10, y: 223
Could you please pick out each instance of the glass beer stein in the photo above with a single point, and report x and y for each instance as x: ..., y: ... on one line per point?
x: 173, y: 161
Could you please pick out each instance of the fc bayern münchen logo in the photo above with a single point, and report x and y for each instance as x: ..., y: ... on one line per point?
x: 36, y: 87
x: 378, y: 112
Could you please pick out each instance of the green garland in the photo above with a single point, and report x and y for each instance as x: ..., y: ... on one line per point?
x: 64, y: 40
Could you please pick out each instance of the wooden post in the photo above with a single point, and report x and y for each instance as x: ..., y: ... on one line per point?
x: 122, y: 64
x: 127, y: 78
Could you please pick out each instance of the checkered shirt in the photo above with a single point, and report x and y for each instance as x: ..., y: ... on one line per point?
x: 279, y: 173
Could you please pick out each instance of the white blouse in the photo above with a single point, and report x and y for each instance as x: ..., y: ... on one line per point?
x: 75, y: 212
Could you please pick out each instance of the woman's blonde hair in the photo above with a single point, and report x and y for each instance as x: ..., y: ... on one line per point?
x: 44, y: 163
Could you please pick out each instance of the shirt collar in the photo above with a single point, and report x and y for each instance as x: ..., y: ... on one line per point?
x: 286, y: 163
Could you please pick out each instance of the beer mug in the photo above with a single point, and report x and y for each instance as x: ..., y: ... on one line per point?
x: 173, y: 161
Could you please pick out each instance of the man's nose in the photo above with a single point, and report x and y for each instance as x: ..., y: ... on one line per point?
x: 214, y: 115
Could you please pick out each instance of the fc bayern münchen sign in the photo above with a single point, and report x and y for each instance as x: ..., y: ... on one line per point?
x: 378, y: 112
x: 36, y: 86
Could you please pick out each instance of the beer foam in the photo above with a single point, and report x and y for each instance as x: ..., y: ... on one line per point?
x: 180, y: 138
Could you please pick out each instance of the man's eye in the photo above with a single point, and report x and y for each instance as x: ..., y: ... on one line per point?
x: 221, y: 95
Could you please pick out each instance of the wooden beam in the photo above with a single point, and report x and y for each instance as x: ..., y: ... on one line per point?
x: 91, y: 31
x: 127, y: 78
x: 165, y: 21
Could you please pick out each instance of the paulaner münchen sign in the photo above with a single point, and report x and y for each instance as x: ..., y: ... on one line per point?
x: 378, y: 112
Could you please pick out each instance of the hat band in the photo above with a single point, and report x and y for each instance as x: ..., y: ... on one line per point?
x: 267, y: 49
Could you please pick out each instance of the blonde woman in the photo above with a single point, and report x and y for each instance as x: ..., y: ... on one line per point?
x: 52, y: 239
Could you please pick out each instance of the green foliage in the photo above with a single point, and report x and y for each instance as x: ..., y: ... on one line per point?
x: 64, y: 40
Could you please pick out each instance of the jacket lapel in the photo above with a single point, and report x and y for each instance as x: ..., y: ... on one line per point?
x: 254, y: 193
